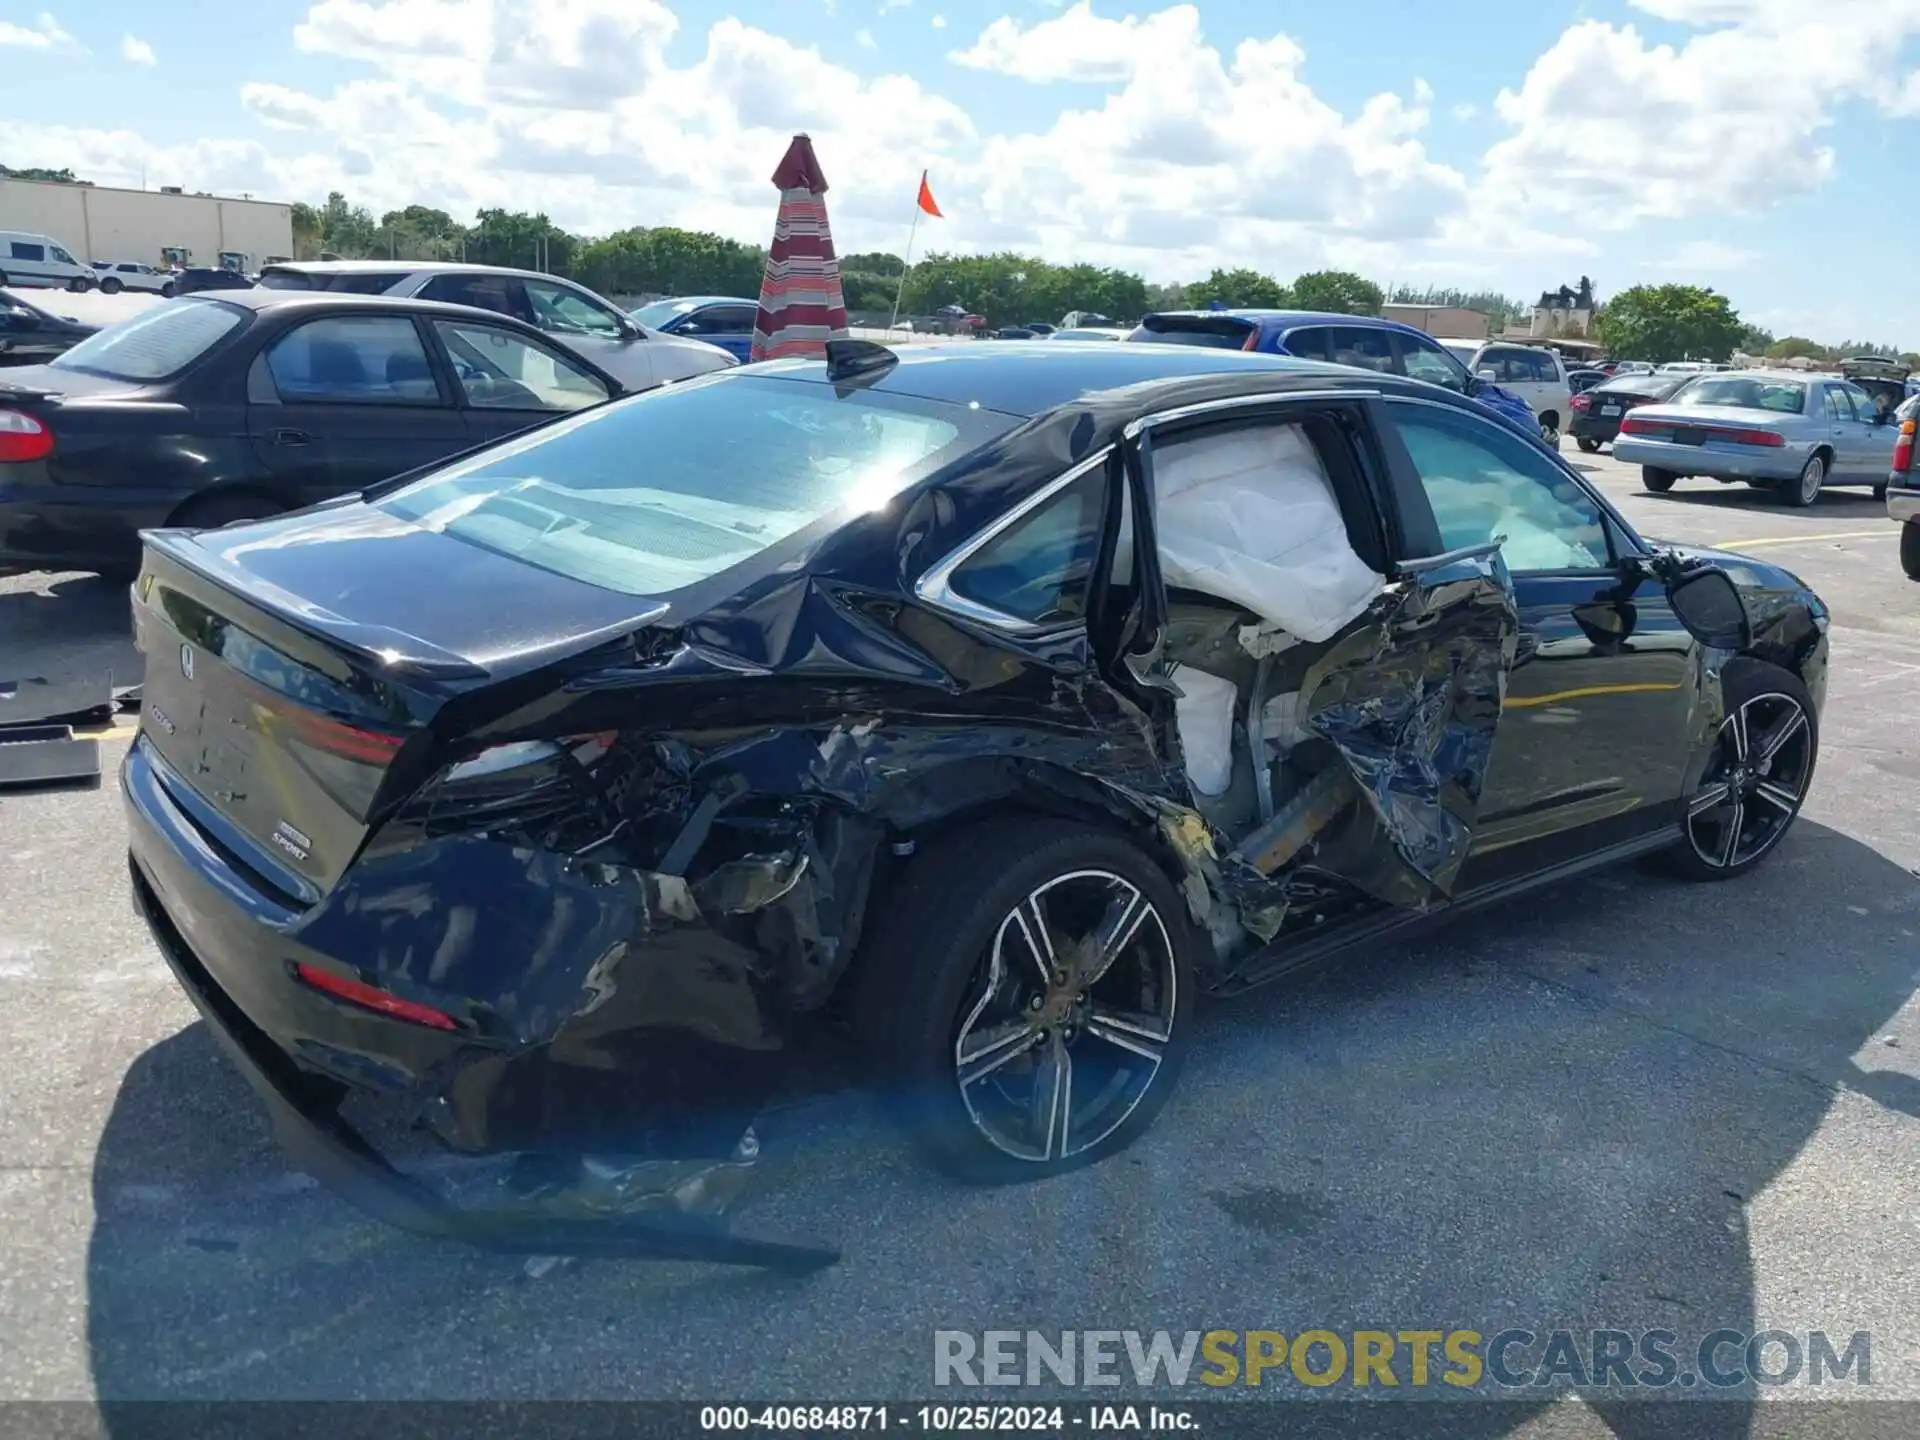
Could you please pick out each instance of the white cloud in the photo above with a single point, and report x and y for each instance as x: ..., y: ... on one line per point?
x: 1165, y: 151
x: 136, y: 51
x: 47, y: 35
x: 1081, y: 46
x: 864, y: 39
x: 1612, y: 127
x: 1705, y: 255
x: 1464, y: 112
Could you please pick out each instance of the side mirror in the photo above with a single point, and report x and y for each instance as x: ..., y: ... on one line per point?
x: 1485, y: 375
x: 1708, y: 603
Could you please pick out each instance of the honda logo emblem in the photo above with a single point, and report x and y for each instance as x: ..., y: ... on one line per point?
x: 186, y: 661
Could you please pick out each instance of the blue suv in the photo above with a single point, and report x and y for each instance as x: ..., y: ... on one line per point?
x: 1363, y: 341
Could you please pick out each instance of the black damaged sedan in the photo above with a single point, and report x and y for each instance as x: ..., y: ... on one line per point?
x: 971, y: 708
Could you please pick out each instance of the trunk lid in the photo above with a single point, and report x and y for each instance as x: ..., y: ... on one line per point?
x: 295, y: 669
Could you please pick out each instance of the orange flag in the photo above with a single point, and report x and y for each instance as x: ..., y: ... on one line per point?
x: 926, y: 199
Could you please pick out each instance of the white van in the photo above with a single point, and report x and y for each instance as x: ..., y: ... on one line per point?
x: 1533, y: 372
x: 39, y: 260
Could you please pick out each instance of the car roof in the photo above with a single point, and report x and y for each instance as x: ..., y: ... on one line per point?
x: 404, y: 267
x: 698, y: 300
x: 1030, y: 380
x: 260, y: 297
x: 1287, y: 319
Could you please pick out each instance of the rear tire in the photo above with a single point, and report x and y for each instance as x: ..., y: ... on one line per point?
x: 1658, y: 481
x: 1910, y: 550
x: 1587, y: 443
x: 1757, y: 777
x: 79, y: 285
x: 110, y: 286
x: 1880, y: 491
x: 1803, y: 492
x: 224, y: 507
x: 980, y: 970
x: 169, y: 290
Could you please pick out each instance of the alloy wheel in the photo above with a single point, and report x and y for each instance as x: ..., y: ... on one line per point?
x: 1070, y: 1018
x: 1754, y: 782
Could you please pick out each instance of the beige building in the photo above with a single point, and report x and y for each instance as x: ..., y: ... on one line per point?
x: 1443, y: 322
x: 100, y: 222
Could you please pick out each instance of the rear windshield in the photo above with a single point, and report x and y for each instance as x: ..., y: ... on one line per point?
x: 662, y: 312
x: 155, y: 343
x: 1221, y: 334
x: 344, y: 282
x: 1744, y: 392
x: 666, y: 489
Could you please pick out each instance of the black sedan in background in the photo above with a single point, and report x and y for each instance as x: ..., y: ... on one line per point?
x: 1597, y: 412
x: 209, y: 409
x: 29, y: 335
x: 567, y: 798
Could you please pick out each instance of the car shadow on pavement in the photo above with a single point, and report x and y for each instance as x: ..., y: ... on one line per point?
x: 1849, y: 504
x: 1566, y: 1114
x: 67, y: 626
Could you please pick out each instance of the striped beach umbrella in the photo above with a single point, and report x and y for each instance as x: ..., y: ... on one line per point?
x: 801, y: 303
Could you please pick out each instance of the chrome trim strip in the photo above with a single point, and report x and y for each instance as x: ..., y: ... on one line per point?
x: 1231, y: 403
x: 935, y: 586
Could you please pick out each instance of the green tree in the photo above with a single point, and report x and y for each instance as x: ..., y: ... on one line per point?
x: 1795, y: 347
x: 36, y: 172
x: 1238, y: 289
x: 1911, y: 359
x: 513, y: 237
x: 873, y: 262
x: 346, y: 230
x: 1669, y: 322
x: 1009, y: 288
x: 1339, y: 291
x: 308, y: 231
x: 421, y: 232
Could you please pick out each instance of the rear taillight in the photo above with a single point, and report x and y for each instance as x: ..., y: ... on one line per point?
x: 1903, y: 447
x: 1637, y: 425
x: 1582, y: 402
x: 336, y: 737
x: 23, y: 437
x: 1253, y: 339
x: 1768, y: 439
x: 371, y: 997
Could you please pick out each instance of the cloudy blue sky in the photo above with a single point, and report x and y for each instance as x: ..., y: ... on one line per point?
x: 1755, y: 145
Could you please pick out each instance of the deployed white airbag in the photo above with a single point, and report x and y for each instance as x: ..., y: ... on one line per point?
x: 1251, y: 517
x: 1204, y: 715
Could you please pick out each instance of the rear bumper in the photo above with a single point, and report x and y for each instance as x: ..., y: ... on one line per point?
x: 1776, y: 465
x: 44, y: 526
x: 1601, y: 428
x: 1904, y: 506
x: 177, y: 897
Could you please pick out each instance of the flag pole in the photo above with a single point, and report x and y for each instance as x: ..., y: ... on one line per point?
x: 901, y: 290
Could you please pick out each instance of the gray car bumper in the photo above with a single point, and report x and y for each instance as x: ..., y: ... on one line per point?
x: 1782, y: 464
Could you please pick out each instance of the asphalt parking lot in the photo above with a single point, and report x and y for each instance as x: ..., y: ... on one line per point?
x: 1625, y: 1102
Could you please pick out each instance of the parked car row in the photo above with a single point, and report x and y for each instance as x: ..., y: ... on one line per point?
x: 1368, y: 343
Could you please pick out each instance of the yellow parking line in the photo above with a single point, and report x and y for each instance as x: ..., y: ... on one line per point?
x: 1887, y: 534
x: 124, y: 727
x: 1525, y: 701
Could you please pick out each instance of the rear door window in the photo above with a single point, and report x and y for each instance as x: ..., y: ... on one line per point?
x: 1364, y: 348
x: 499, y: 293
x: 354, y: 360
x: 1309, y: 342
x: 499, y: 370
x: 1838, y: 406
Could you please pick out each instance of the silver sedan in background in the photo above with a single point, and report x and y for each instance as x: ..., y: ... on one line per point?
x: 1780, y: 430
